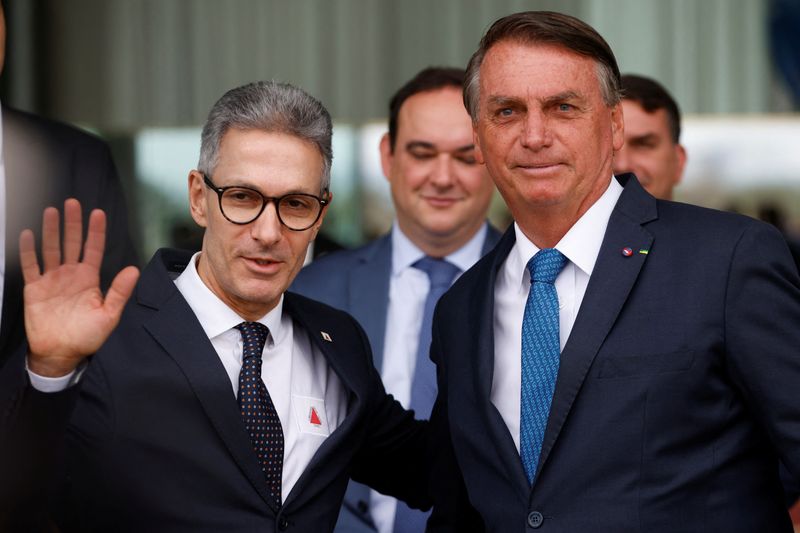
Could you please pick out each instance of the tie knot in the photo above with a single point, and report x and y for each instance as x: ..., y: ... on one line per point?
x: 545, y: 265
x: 254, y: 336
x: 439, y: 271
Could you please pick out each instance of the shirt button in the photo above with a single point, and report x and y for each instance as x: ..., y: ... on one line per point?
x: 535, y: 519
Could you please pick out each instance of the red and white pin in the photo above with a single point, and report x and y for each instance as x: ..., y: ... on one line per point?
x: 627, y: 251
x: 313, y: 418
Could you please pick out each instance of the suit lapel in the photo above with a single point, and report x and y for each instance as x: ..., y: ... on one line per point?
x: 369, y: 293
x: 610, y: 284
x: 481, y: 314
x: 176, y: 329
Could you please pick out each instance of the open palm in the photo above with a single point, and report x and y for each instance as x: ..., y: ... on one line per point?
x: 66, y: 315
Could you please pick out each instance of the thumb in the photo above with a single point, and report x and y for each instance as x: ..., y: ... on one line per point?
x: 120, y: 290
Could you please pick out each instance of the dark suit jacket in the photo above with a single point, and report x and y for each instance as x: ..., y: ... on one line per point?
x: 676, y: 393
x: 357, y: 281
x: 45, y: 163
x: 156, y: 442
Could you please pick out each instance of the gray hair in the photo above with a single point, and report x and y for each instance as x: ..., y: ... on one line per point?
x: 272, y: 107
x: 545, y: 27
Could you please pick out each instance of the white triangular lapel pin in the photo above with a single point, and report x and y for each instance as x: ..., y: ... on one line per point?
x: 326, y: 336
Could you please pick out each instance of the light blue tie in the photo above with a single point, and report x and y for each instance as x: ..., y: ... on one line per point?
x: 423, y: 387
x: 540, y: 355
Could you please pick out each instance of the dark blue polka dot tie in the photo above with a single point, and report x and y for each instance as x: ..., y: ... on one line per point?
x: 258, y: 412
x: 540, y: 355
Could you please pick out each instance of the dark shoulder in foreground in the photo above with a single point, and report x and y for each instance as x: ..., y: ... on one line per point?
x: 62, y: 134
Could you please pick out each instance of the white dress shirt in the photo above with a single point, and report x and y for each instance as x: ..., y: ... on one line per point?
x: 408, y: 289
x: 580, y: 246
x: 296, y: 373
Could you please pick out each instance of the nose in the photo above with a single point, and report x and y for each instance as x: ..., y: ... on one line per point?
x: 267, y: 227
x: 536, y: 132
x: 442, y: 173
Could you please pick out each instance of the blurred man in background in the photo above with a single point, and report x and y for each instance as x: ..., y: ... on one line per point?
x: 652, y: 148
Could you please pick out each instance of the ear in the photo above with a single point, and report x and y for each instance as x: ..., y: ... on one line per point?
x: 680, y: 153
x: 386, y: 156
x: 198, y: 204
x: 477, y: 142
x: 617, y: 127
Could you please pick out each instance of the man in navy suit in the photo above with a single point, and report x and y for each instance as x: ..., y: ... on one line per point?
x: 220, y: 402
x: 441, y: 195
x: 617, y: 363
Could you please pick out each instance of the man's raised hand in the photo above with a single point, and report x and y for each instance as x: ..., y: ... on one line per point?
x: 67, y: 317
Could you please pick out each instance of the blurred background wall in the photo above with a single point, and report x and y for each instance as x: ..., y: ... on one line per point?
x: 143, y: 74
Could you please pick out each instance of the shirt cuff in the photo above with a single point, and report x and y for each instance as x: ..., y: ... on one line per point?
x: 46, y: 384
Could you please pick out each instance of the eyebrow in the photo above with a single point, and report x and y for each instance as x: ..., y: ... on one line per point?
x: 560, y: 97
x: 245, y: 185
x: 411, y: 145
x: 645, y: 137
x: 502, y: 101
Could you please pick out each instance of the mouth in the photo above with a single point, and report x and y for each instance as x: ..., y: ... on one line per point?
x: 537, y: 169
x: 263, y: 265
x: 441, y: 201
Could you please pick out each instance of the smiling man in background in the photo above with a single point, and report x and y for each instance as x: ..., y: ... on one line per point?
x: 441, y: 195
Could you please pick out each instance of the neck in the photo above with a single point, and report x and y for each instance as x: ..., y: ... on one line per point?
x: 440, y: 246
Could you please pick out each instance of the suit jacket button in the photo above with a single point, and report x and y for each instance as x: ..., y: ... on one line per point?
x: 535, y: 519
x: 283, y: 524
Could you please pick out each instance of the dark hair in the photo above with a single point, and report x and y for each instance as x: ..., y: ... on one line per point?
x: 428, y: 79
x: 273, y: 107
x: 652, y: 96
x: 545, y: 27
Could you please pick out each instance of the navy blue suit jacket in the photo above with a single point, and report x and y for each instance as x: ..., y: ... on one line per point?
x: 675, y: 397
x: 357, y: 281
x: 156, y: 441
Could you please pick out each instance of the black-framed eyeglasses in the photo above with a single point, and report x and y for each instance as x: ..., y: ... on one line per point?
x: 242, y: 205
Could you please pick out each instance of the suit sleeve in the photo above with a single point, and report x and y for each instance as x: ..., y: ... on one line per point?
x: 762, y: 336
x: 32, y: 430
x: 394, y: 458
x: 452, y: 511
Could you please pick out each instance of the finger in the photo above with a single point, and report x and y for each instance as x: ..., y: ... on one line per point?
x: 95, y: 239
x: 27, y: 257
x: 120, y: 290
x: 51, y: 245
x: 73, y: 229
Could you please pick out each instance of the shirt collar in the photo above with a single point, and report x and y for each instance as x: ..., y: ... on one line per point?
x: 581, y: 244
x: 213, y: 314
x: 405, y: 253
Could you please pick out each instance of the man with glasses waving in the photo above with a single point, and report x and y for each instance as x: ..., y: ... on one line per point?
x: 220, y: 402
